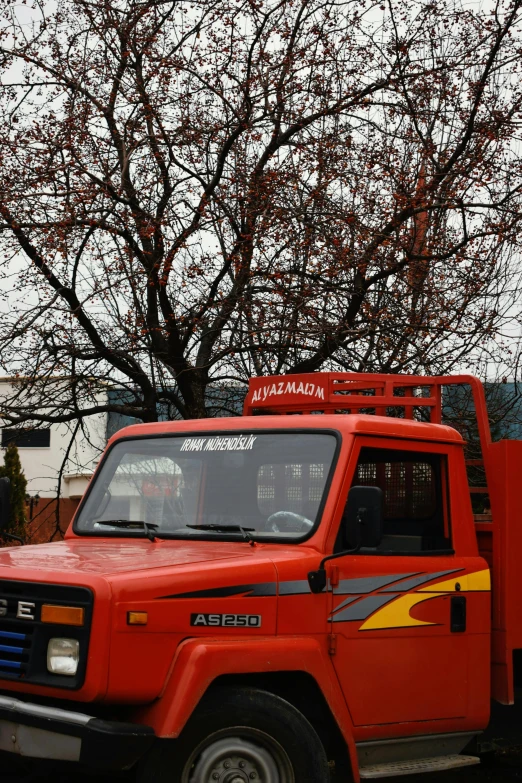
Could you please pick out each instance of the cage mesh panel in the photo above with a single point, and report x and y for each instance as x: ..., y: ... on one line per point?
x: 409, y: 487
x: 294, y: 487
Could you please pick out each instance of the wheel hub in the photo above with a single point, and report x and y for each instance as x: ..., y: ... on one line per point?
x: 234, y: 777
x: 250, y: 766
x: 235, y: 770
x: 239, y: 760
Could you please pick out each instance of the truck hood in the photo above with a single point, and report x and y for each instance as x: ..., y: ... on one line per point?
x: 172, y: 581
x: 115, y: 556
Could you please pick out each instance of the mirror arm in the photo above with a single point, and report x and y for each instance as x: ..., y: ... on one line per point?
x: 317, y: 579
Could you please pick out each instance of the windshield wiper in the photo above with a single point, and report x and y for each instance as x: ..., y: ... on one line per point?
x: 148, y: 527
x: 227, y: 529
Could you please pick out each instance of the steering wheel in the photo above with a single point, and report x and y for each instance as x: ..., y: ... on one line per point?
x: 289, y: 522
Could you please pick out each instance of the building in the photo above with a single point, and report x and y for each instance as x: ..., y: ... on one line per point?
x: 57, y: 461
x: 51, y: 454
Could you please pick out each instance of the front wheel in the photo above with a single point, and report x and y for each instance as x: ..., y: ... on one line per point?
x: 240, y: 735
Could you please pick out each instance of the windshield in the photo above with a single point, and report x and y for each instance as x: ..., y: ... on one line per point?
x: 260, y: 485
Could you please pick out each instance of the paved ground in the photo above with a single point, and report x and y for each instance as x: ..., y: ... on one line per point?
x: 503, y: 768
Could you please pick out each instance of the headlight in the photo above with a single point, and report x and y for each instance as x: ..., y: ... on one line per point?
x: 63, y: 656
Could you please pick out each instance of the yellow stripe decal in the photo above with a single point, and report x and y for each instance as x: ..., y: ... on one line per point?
x: 397, y: 614
x: 480, y: 581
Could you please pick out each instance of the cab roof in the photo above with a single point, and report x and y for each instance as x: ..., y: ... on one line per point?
x: 354, y: 424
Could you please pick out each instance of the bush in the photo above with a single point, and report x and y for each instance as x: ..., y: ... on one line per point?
x: 12, y: 469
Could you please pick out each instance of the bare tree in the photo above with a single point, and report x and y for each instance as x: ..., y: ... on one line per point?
x: 197, y: 192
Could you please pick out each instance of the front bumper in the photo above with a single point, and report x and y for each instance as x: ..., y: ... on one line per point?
x: 43, y: 732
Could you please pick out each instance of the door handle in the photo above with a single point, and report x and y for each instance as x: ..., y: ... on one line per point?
x: 458, y: 614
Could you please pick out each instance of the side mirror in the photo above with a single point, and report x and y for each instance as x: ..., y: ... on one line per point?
x: 5, y: 502
x: 363, y: 517
x: 317, y: 580
x: 362, y: 526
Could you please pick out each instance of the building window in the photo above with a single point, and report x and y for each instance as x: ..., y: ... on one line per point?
x: 27, y: 439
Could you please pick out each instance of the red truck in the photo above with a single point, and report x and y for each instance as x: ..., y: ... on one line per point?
x: 282, y: 597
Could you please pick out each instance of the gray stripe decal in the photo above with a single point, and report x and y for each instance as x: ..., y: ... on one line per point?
x: 346, y: 602
x: 248, y: 591
x: 268, y: 588
x: 368, y: 584
x: 419, y: 580
x: 298, y: 587
x: 363, y: 609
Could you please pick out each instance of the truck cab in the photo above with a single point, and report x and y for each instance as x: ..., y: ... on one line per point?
x: 284, y: 597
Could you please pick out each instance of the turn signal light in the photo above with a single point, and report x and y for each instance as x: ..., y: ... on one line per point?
x: 63, y: 615
x: 137, y: 618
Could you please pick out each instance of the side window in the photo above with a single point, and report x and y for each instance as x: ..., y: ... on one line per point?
x: 415, y: 490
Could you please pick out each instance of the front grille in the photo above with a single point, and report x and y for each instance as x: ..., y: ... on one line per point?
x: 24, y: 641
x: 15, y: 650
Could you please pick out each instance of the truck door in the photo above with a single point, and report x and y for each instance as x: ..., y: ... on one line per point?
x: 410, y: 618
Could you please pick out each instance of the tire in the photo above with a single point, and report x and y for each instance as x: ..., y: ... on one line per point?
x: 239, y: 735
